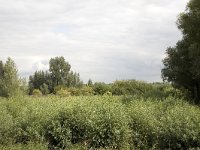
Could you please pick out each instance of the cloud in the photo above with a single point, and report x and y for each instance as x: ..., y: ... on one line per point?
x: 103, y: 40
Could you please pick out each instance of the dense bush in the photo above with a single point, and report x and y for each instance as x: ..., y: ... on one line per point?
x: 101, y: 88
x: 170, y: 124
x: 130, y: 87
x: 163, y: 90
x: 94, y: 123
x: 100, y: 122
x: 63, y: 93
x: 133, y: 88
x: 36, y: 92
x: 83, y: 91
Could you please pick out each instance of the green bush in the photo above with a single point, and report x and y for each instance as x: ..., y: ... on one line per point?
x: 100, y: 88
x: 87, y: 91
x: 108, y: 93
x: 36, y: 92
x: 44, y: 89
x: 96, y: 123
x: 63, y: 93
x: 58, y: 134
x: 7, y: 124
x: 29, y: 146
x: 74, y: 91
x: 170, y: 124
x: 163, y: 90
x: 83, y: 91
x: 130, y: 87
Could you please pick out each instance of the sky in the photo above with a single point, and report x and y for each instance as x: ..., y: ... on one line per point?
x: 105, y: 40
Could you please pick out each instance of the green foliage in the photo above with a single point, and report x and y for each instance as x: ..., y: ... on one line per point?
x: 130, y: 87
x: 73, y: 80
x: 44, y: 89
x: 36, y: 92
x: 63, y: 93
x: 90, y: 83
x: 59, y: 69
x: 96, y: 122
x: 161, y: 91
x: 170, y: 124
x: 9, y: 80
x: 182, y: 64
x: 108, y: 93
x: 58, y: 134
x: 133, y: 88
x: 101, y: 88
x: 87, y: 91
x: 82, y: 91
x: 59, y: 75
x: 29, y: 146
x: 40, y: 80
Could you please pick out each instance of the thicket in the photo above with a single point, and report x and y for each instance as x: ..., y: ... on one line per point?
x: 127, y: 88
x: 100, y: 122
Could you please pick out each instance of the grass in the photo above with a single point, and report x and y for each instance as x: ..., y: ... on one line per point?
x: 98, y: 121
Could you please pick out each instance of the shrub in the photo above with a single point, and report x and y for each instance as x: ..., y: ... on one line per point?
x: 108, y: 93
x: 100, y: 122
x: 63, y: 93
x: 130, y: 87
x: 36, y: 92
x: 58, y: 134
x: 58, y: 88
x: 83, y: 91
x: 170, y: 124
x: 100, y: 88
x: 94, y: 123
x: 7, y: 124
x: 87, y: 91
x: 44, y: 89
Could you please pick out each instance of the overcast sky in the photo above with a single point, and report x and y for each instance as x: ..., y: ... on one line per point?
x: 104, y: 40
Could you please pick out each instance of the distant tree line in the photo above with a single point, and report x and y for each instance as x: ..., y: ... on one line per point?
x: 61, y: 81
x: 59, y: 75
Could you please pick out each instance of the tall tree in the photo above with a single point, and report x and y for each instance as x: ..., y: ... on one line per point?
x: 9, y: 80
x: 90, y: 83
x: 59, y: 75
x: 59, y: 70
x: 182, y: 64
x: 40, y: 80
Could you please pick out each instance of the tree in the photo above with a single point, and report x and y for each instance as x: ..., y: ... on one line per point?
x: 40, y: 80
x: 59, y: 75
x: 182, y: 64
x: 9, y: 80
x: 59, y: 70
x: 90, y: 83
x: 101, y: 88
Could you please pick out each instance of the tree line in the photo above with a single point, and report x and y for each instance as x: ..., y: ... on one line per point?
x: 58, y: 75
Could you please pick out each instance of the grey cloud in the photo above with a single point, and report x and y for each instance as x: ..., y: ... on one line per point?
x: 96, y: 37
